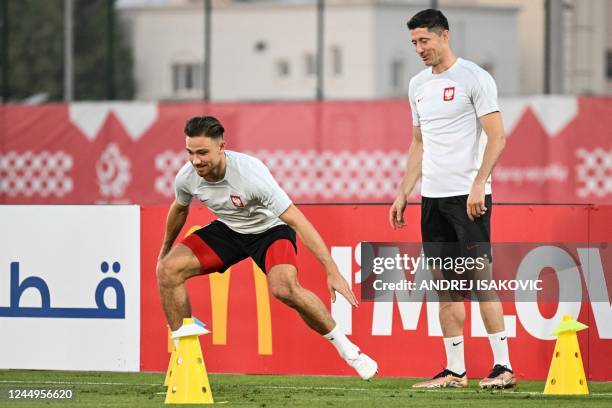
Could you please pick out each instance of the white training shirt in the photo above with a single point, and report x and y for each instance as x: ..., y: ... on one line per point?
x: 446, y: 107
x: 248, y: 199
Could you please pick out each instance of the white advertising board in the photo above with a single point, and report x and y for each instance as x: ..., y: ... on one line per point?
x: 70, y: 287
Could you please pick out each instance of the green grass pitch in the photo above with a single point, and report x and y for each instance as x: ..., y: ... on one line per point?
x: 134, y: 390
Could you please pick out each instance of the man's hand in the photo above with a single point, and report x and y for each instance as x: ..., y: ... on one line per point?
x: 313, y: 241
x: 396, y: 212
x: 337, y: 283
x: 476, y: 202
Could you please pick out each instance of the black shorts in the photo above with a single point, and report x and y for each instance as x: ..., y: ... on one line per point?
x: 447, y: 231
x: 218, y: 247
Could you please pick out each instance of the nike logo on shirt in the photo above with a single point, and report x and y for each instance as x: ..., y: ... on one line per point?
x: 504, y: 338
x: 456, y: 344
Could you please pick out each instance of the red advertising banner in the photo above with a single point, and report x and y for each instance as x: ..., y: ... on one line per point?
x: 558, y: 149
x: 254, y: 333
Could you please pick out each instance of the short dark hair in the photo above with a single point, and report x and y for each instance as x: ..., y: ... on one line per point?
x: 431, y: 19
x: 204, y: 126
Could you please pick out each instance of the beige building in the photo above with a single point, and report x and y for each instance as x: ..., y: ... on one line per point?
x: 264, y: 50
x: 267, y: 50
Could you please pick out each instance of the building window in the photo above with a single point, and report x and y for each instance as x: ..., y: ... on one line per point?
x: 310, y: 64
x: 187, y: 77
x: 282, y: 68
x: 397, y: 75
x: 336, y: 60
x: 609, y: 66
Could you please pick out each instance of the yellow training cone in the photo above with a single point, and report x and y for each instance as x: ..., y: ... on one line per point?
x: 172, y: 350
x: 188, y: 383
x: 566, y: 373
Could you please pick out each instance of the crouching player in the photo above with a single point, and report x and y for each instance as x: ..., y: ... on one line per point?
x: 255, y: 218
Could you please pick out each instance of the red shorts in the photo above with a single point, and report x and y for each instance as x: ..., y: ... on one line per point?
x: 218, y: 247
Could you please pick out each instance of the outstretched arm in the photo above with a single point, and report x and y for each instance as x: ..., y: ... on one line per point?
x: 177, y: 215
x: 313, y: 241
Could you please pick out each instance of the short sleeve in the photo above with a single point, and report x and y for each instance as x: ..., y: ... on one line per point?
x: 267, y: 191
x: 182, y: 193
x: 415, y: 115
x: 484, y: 94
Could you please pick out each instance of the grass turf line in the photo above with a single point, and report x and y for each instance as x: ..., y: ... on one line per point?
x: 135, y: 390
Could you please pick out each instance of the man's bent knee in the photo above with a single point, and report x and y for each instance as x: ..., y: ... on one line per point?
x: 171, y: 273
x: 283, y: 283
x: 178, y: 266
x: 168, y: 275
x: 282, y: 292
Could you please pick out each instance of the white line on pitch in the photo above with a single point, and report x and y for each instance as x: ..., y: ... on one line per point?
x: 289, y: 387
x: 72, y: 383
x: 151, y: 384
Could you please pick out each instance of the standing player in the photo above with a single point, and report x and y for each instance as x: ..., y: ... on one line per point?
x: 255, y: 219
x: 452, y: 101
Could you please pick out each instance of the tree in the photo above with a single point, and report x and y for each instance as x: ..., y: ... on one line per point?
x: 36, y: 51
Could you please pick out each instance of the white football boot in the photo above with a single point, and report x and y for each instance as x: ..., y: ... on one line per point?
x: 364, y: 365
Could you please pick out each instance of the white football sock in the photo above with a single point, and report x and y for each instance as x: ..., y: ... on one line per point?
x: 499, y: 345
x: 455, y: 360
x: 344, y: 346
